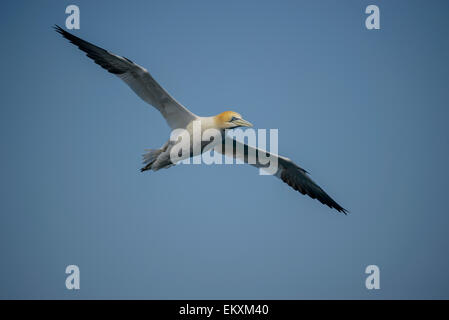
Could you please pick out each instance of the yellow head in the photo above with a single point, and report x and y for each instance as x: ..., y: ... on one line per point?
x: 230, y: 119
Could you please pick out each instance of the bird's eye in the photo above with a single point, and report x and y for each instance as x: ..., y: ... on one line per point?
x: 234, y: 118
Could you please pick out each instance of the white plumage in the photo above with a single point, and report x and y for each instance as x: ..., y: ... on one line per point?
x: 179, y: 117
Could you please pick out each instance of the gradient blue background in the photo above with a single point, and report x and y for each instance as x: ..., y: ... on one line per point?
x: 366, y: 112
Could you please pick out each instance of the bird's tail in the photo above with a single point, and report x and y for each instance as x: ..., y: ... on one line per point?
x: 149, y: 158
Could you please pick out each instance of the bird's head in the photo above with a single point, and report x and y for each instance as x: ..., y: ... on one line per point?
x: 230, y: 120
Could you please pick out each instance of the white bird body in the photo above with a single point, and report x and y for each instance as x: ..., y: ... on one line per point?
x: 179, y: 117
x: 162, y: 157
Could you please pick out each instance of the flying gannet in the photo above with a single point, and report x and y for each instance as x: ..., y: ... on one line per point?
x: 179, y: 117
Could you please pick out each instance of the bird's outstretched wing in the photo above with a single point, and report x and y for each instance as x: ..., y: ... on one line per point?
x: 295, y: 176
x: 138, y: 79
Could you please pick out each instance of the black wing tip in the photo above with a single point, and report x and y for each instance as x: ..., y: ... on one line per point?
x: 58, y: 29
x: 64, y: 33
x: 334, y: 205
x: 92, y: 51
x: 342, y: 210
x: 324, y: 198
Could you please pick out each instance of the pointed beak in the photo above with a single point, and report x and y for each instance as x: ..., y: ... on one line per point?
x: 242, y: 123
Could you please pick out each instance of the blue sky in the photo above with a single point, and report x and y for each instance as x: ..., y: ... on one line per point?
x: 364, y: 111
